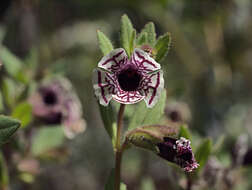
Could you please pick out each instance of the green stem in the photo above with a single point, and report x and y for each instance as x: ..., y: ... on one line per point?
x: 118, y: 149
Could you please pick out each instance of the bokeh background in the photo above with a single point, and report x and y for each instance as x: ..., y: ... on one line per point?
x: 208, y: 72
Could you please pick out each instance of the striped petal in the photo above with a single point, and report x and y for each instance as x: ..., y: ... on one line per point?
x: 152, y: 87
x: 104, y: 86
x: 144, y: 62
x: 114, y: 60
x: 129, y: 97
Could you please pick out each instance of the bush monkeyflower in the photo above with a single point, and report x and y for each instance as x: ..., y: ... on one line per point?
x: 128, y: 80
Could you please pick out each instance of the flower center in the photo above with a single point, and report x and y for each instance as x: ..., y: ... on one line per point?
x: 129, y: 78
x: 50, y: 97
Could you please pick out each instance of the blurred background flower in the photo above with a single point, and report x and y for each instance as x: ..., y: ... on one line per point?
x: 55, y: 102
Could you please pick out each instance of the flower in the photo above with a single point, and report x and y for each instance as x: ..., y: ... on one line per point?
x: 55, y: 102
x: 128, y: 81
x: 177, y: 112
x: 178, y: 151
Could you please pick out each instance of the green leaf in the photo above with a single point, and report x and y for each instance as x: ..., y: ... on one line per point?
x: 127, y: 32
x: 8, y: 127
x: 184, y: 132
x: 162, y: 46
x: 142, y: 38
x: 47, y: 138
x: 133, y: 41
x: 147, y: 137
x: 147, y: 184
x: 11, y: 63
x: 149, y: 28
x: 148, y: 116
x: 104, y: 43
x: 23, y: 112
x: 110, y: 185
x: 109, y: 121
x: 219, y: 143
x: 203, y: 152
x: 4, y: 176
x: 9, y: 90
x: 1, y: 102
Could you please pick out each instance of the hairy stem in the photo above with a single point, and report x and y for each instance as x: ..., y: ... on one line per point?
x: 118, y: 153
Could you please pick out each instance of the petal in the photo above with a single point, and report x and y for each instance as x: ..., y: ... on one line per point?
x: 152, y: 87
x: 104, y: 86
x: 113, y: 60
x: 130, y: 97
x: 144, y: 62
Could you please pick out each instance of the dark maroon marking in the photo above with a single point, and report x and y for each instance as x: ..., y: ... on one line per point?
x: 145, y: 60
x: 129, y: 78
x: 113, y: 58
x: 155, y: 88
x: 166, y: 149
x: 102, y: 90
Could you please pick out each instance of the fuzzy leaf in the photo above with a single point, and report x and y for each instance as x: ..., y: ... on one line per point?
x: 184, y: 132
x: 133, y: 41
x: 147, y: 137
x: 109, y: 121
x: 8, y: 127
x: 47, y: 138
x: 127, y: 31
x: 104, y: 43
x: 11, y: 63
x: 149, y: 28
x: 162, y: 46
x: 23, y: 112
x: 203, y: 152
x: 148, y: 116
x: 142, y: 38
x: 4, y: 176
x: 110, y: 185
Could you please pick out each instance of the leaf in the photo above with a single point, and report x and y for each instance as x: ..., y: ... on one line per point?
x: 149, y: 28
x: 109, y: 121
x: 47, y: 138
x: 110, y: 185
x: 217, y: 147
x: 203, y: 152
x: 104, y: 43
x: 142, y: 38
x: 1, y: 102
x: 184, y: 132
x: 148, y: 116
x: 9, y: 89
x: 4, y: 176
x: 147, y: 184
x: 126, y: 36
x: 162, y: 46
x: 133, y: 41
x: 147, y: 137
x: 23, y: 112
x: 8, y: 127
x: 107, y: 113
x: 11, y: 63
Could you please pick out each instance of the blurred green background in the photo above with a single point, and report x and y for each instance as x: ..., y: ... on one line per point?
x: 208, y: 67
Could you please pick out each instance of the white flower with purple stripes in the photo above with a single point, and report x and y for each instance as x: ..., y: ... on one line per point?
x: 128, y: 81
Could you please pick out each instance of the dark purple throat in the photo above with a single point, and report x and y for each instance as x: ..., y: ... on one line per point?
x: 50, y: 97
x: 129, y: 78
